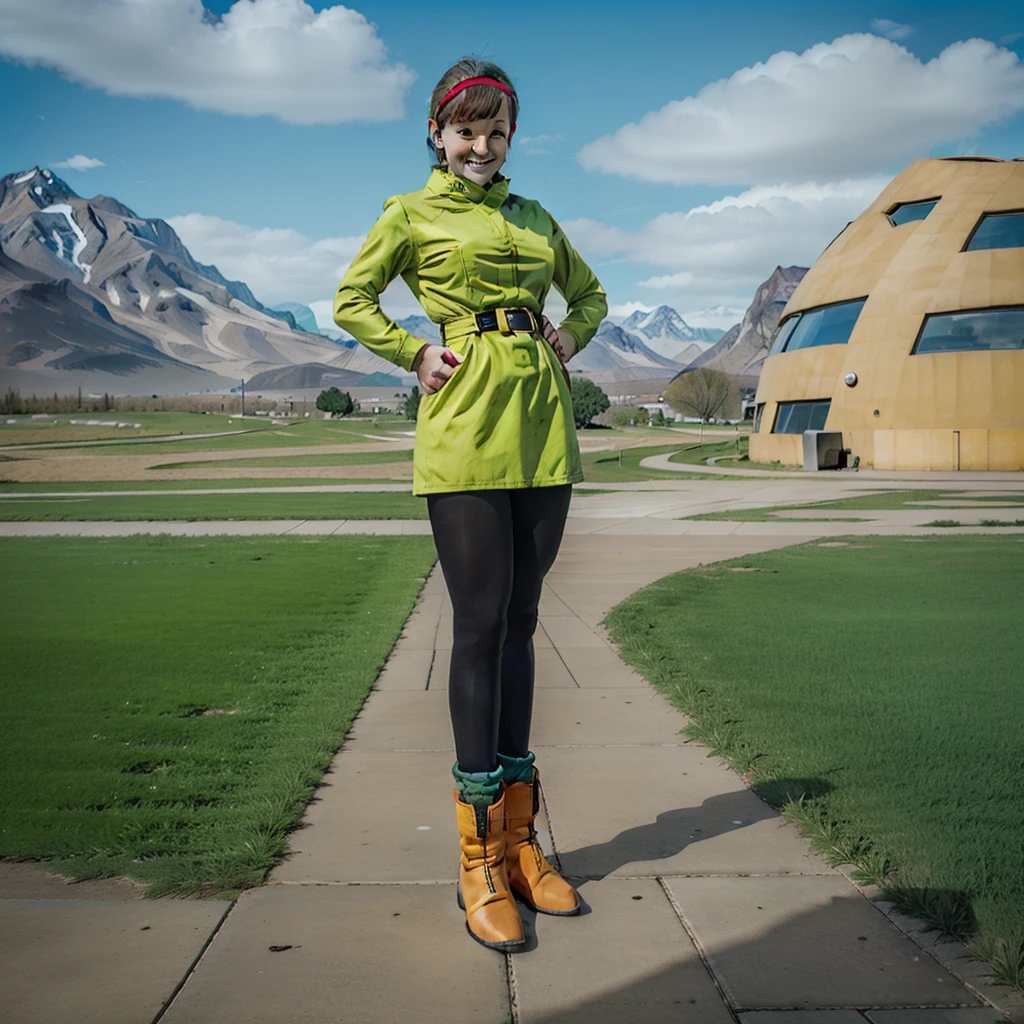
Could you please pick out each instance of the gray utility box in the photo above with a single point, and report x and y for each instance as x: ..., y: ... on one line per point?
x: 823, y: 449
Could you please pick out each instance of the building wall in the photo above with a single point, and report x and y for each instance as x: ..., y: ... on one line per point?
x: 944, y: 410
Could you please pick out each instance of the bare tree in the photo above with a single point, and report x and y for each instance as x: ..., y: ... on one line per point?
x: 702, y: 392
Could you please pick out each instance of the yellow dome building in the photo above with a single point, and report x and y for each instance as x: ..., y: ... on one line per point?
x: 907, y: 334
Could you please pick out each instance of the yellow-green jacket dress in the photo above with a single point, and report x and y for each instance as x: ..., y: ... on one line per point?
x: 504, y: 419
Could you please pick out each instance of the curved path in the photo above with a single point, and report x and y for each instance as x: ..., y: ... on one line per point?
x: 701, y: 904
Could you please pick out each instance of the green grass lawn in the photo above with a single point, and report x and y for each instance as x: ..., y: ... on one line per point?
x: 883, y: 680
x: 170, y: 704
x: 256, y: 434
x: 884, y: 500
x: 604, y: 467
x: 151, y: 424
x: 302, y: 461
x: 161, y: 507
x: 155, y: 486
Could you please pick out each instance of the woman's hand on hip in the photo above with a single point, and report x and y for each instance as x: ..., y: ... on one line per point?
x: 434, y: 364
x: 562, y: 342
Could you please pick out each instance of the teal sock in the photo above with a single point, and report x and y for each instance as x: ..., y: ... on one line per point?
x: 517, y: 769
x: 478, y: 788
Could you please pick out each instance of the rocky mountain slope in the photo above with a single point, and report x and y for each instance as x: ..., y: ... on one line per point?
x: 94, y: 296
x: 741, y: 352
x: 665, y: 331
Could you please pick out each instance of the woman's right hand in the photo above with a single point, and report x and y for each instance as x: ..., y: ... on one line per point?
x: 433, y: 368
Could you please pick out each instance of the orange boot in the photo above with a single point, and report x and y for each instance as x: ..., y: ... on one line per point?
x: 529, y: 873
x: 492, y: 917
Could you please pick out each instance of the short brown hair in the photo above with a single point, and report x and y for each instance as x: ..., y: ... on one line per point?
x: 474, y: 102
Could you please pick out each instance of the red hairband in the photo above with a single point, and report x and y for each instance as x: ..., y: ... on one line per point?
x: 465, y: 84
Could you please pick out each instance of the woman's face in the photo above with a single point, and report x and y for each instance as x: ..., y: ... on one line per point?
x: 475, y: 150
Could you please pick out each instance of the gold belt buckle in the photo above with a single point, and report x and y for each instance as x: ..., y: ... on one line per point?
x: 502, y: 317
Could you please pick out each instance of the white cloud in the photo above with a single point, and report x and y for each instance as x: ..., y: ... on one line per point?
x: 718, y: 253
x: 283, y: 265
x: 891, y: 29
x: 839, y: 110
x: 275, y: 57
x: 714, y: 316
x: 1007, y: 40
x: 80, y: 163
x: 278, y: 264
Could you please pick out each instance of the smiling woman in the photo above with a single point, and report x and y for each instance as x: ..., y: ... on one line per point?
x: 496, y: 455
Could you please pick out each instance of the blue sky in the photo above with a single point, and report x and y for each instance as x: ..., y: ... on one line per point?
x: 761, y: 128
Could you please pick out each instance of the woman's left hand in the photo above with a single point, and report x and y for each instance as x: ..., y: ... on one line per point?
x: 562, y: 342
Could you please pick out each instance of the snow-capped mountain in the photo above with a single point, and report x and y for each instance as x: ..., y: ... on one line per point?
x: 93, y: 295
x: 665, y: 331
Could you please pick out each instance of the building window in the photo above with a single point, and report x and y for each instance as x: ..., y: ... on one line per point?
x: 904, y: 213
x: 998, y: 231
x: 978, y: 330
x: 796, y: 417
x: 828, y: 325
x: 758, y: 413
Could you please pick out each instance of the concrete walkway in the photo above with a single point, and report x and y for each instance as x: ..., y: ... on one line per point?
x: 701, y: 904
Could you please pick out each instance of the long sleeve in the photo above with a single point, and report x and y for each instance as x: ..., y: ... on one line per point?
x: 579, y: 286
x: 387, y: 252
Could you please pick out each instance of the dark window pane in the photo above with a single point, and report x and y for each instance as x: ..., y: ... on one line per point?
x: 906, y: 212
x: 782, y: 335
x: 796, y: 417
x: 830, y: 325
x: 758, y: 413
x: 999, y: 231
x: 977, y: 331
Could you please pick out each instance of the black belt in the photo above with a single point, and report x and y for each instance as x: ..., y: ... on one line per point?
x: 508, y: 321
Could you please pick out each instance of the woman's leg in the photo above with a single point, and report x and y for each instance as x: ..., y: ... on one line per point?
x: 537, y: 522
x: 474, y: 538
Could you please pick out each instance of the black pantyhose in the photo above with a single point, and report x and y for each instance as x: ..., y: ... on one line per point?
x: 495, y: 548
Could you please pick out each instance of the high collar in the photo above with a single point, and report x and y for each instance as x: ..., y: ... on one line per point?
x: 445, y: 183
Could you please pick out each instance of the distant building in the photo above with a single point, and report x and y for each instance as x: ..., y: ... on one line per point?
x: 907, y: 334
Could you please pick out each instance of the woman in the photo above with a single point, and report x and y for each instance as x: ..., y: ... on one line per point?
x: 496, y: 457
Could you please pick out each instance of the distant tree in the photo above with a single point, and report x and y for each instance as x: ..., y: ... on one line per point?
x: 335, y: 402
x: 11, y: 402
x: 702, y: 392
x: 628, y: 416
x: 588, y: 401
x: 657, y: 418
x: 412, y: 404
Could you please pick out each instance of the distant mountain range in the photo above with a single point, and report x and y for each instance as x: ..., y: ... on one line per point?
x: 94, y: 296
x: 742, y: 351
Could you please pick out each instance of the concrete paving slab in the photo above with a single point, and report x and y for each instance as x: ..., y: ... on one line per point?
x: 624, y: 959
x: 985, y: 1015
x: 594, y: 717
x: 550, y: 670
x: 359, y: 955
x: 28, y: 881
x: 440, y: 669
x: 406, y: 669
x: 315, y: 527
x: 808, y: 942
x: 552, y: 604
x: 664, y: 810
x: 801, y: 1017
x: 98, y: 961
x: 600, y: 667
x: 570, y: 631
x: 401, y: 720
x: 379, y: 817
